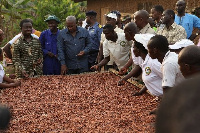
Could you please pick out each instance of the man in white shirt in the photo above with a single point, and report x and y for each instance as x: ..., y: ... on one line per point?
x: 116, y: 46
x: 170, y: 68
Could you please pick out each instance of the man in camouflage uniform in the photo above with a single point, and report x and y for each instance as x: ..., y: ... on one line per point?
x: 27, y: 54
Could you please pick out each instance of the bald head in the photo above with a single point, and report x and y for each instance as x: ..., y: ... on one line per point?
x: 142, y: 14
x: 180, y: 7
x: 190, y: 55
x: 131, y: 27
x: 130, y: 30
x: 189, y: 61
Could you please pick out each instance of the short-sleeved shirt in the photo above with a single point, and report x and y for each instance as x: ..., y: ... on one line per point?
x: 188, y: 22
x: 2, y: 73
x: 119, y: 50
x: 173, y: 34
x: 170, y: 70
x: 152, y: 75
x: 147, y: 29
x: 136, y: 60
x: 103, y: 38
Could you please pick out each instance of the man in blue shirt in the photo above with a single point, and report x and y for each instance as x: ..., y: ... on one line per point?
x: 188, y: 21
x: 95, y: 30
x: 74, y: 44
x: 48, y: 39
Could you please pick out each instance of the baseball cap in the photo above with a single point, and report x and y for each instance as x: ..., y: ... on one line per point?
x: 181, y: 44
x: 52, y: 17
x: 143, y: 39
x: 112, y: 15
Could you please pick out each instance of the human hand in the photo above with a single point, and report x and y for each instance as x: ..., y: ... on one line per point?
x: 95, y: 67
x: 121, y: 82
x: 63, y: 69
x: 17, y: 83
x: 122, y: 71
x: 50, y: 54
x: 12, y: 76
x: 81, y: 53
x: 137, y: 94
x: 25, y: 74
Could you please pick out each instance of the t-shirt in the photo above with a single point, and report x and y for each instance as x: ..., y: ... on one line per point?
x: 119, y: 50
x: 170, y: 70
x: 152, y: 75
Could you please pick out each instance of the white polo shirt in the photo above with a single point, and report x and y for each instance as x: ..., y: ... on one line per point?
x: 119, y: 50
x: 2, y: 73
x: 170, y: 70
x: 103, y: 38
x: 152, y: 75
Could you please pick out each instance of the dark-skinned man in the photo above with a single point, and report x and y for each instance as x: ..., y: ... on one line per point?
x: 171, y: 30
x: 48, y: 39
x: 74, y: 44
x: 141, y: 18
x: 27, y: 53
x: 111, y: 18
x: 189, y: 61
x: 156, y: 14
x: 188, y: 21
x: 115, y: 45
x: 169, y: 60
x: 95, y: 31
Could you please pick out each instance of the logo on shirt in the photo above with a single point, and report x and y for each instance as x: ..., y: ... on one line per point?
x: 147, y: 70
x: 123, y: 43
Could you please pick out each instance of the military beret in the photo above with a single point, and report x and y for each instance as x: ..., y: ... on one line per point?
x: 91, y: 13
x: 52, y: 17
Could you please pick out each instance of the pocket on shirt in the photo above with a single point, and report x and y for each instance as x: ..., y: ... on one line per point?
x: 48, y: 46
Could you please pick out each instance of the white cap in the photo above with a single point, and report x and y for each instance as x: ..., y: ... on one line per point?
x: 112, y: 15
x: 143, y: 38
x: 181, y: 44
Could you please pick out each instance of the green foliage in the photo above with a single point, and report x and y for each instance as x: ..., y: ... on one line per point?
x: 60, y: 8
x: 13, y: 11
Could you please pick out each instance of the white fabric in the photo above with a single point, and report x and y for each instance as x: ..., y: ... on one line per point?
x: 103, y: 38
x: 112, y: 15
x: 152, y: 75
x: 170, y: 70
x: 119, y: 50
x: 143, y: 39
x: 17, y: 37
x: 136, y: 60
x: 2, y: 73
x: 181, y: 44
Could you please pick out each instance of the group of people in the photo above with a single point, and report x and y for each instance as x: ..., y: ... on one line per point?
x: 160, y: 52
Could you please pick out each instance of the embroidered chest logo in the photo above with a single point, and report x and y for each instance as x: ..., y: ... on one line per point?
x: 147, y: 70
x: 123, y: 43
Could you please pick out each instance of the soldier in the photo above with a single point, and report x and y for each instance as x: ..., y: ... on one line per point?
x: 95, y: 30
x: 27, y: 54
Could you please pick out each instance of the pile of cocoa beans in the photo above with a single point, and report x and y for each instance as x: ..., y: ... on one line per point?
x: 90, y: 102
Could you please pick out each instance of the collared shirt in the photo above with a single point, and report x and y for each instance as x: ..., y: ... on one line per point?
x: 170, y: 70
x: 152, y: 75
x: 188, y: 22
x: 25, y: 55
x: 2, y: 73
x: 51, y: 65
x: 119, y: 50
x: 173, y: 34
x: 147, y: 29
x: 95, y: 32
x: 103, y: 38
x: 69, y: 46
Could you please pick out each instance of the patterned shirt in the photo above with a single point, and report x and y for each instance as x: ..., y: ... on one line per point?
x: 173, y: 34
x: 25, y: 55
